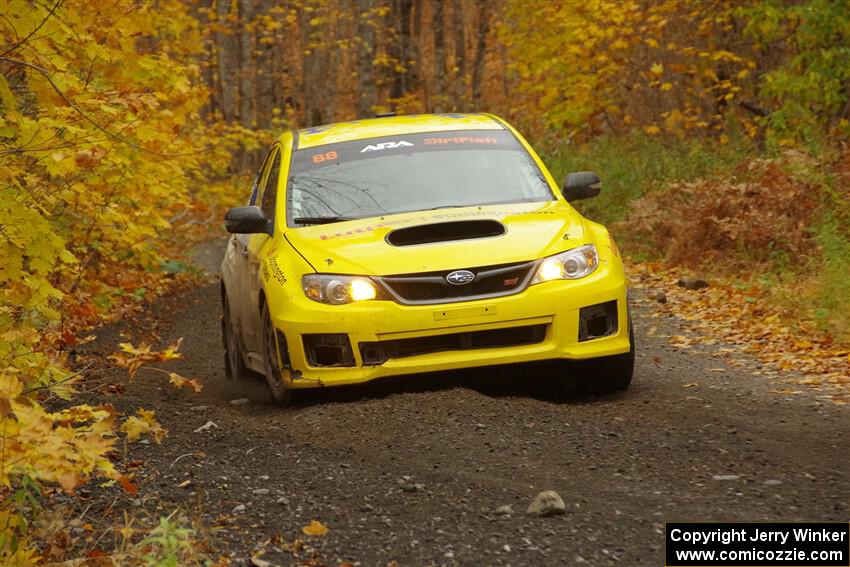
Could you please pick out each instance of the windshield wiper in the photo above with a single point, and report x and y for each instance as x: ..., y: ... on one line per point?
x: 445, y: 207
x: 320, y: 220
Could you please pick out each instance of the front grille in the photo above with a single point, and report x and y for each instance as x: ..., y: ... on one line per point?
x: 378, y: 352
x: 432, y: 287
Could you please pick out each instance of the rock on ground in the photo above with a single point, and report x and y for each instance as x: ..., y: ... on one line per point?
x: 547, y: 503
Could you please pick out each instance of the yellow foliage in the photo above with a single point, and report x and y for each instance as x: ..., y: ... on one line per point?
x: 16, y: 550
x: 132, y: 358
x: 104, y: 158
x: 143, y: 423
x: 575, y: 60
x: 65, y: 447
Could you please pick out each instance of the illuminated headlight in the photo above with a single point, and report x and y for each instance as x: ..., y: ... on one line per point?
x: 570, y: 265
x: 338, y: 290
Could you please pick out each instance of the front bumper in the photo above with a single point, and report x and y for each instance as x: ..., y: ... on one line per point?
x: 549, y: 311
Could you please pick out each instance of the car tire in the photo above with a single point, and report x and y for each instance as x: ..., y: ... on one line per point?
x: 607, y: 374
x: 234, y: 364
x: 275, y: 374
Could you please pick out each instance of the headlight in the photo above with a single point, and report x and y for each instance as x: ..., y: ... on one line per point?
x: 570, y: 265
x: 338, y: 290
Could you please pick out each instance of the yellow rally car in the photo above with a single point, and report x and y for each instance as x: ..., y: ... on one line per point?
x: 398, y: 245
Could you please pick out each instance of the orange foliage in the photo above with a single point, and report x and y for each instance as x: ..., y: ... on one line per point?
x: 760, y: 212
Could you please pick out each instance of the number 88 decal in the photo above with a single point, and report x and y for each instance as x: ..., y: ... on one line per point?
x: 327, y: 156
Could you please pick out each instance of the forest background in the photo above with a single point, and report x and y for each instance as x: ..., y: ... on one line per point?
x: 719, y: 127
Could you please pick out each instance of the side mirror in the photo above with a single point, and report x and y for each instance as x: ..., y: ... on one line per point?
x: 581, y: 185
x: 247, y: 220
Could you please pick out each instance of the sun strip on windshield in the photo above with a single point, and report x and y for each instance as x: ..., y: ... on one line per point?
x: 309, y: 159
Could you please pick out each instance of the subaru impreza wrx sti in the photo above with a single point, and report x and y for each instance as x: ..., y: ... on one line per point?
x: 400, y: 245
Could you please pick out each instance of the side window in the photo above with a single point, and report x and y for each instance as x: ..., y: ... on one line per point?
x: 269, y: 195
x: 256, y: 190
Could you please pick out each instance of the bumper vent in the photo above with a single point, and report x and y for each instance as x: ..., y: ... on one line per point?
x: 597, y: 321
x: 433, y: 287
x: 379, y: 352
x: 333, y: 349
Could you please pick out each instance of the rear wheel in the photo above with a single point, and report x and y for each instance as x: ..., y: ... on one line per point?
x: 234, y: 365
x: 607, y: 374
x: 276, y: 374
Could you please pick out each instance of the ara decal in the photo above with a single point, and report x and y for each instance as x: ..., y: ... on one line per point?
x: 386, y: 146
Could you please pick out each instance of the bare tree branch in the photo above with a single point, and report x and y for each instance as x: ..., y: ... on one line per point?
x: 33, y: 32
x: 754, y: 108
x: 58, y: 382
x: 46, y: 75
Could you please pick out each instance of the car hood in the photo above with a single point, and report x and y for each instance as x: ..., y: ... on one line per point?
x: 531, y: 231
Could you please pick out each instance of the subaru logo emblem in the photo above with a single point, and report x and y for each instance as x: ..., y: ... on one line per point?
x: 460, y: 277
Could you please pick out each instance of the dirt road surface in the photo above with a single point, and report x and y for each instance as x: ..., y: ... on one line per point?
x: 439, y: 469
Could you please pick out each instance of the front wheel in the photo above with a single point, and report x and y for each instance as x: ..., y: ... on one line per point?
x: 607, y: 374
x: 276, y: 373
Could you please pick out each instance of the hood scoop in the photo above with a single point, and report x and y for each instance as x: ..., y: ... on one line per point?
x: 445, y: 232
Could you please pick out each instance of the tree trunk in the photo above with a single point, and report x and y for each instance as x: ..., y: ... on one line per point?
x: 225, y: 51
x: 480, y: 51
x: 439, y: 56
x: 366, y: 88
x: 416, y: 54
x: 401, y: 50
x: 459, y: 68
x: 310, y: 75
x: 247, y: 80
x: 208, y: 59
x: 267, y: 73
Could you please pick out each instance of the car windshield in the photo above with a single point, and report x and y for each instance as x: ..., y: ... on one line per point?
x: 380, y: 176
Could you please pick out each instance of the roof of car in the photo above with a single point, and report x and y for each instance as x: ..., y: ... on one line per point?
x: 393, y: 125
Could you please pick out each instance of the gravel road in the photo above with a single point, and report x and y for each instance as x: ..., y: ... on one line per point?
x: 439, y: 469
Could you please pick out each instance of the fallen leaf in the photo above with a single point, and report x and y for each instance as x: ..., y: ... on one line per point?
x: 135, y: 426
x: 181, y: 381
x: 315, y: 528
x: 171, y: 352
x: 257, y: 562
x: 127, y: 485
x: 293, y: 547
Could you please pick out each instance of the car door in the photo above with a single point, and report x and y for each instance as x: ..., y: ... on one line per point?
x: 258, y: 246
x: 238, y: 281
